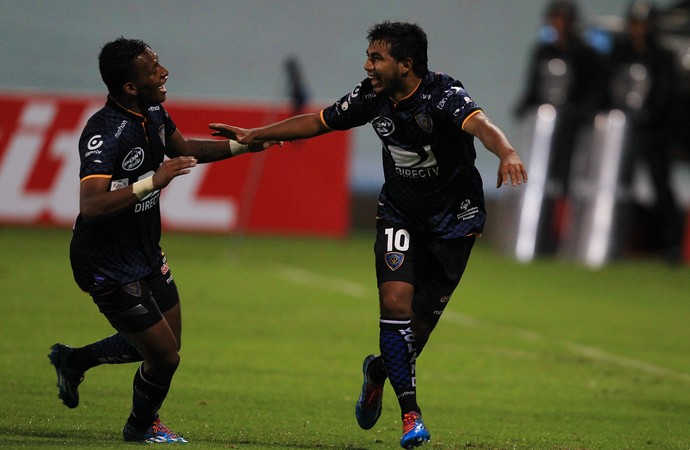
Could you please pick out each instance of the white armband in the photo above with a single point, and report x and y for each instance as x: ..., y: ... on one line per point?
x: 144, y: 187
x: 237, y: 149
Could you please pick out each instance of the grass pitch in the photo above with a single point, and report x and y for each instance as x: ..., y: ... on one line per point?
x: 541, y: 356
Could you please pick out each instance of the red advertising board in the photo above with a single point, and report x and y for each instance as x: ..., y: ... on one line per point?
x: 301, y: 189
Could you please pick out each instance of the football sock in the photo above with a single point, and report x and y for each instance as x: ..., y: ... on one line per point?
x: 147, y: 399
x: 114, y: 349
x: 377, y: 371
x: 399, y: 356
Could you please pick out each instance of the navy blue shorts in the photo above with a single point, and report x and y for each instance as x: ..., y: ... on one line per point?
x: 139, y: 305
x: 433, y: 266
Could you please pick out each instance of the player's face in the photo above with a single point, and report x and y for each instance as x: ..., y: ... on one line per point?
x: 151, y: 78
x: 384, y: 71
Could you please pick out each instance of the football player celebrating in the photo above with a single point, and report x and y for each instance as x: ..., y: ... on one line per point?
x: 115, y: 252
x: 431, y: 206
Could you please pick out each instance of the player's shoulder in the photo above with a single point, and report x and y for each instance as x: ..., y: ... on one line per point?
x: 360, y: 98
x: 363, y: 91
x: 104, y: 128
x: 157, y: 110
x: 440, y: 84
x: 439, y: 87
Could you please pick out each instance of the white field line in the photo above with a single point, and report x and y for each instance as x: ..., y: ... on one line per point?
x: 591, y: 353
x: 325, y: 283
x: 358, y: 290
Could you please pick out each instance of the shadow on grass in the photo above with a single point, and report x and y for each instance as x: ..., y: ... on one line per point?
x: 21, y: 437
x: 18, y: 437
x: 269, y: 444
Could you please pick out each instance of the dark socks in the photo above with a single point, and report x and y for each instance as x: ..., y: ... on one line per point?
x: 147, y: 399
x: 399, y: 358
x: 114, y: 349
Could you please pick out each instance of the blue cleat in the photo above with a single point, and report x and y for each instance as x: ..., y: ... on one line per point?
x: 157, y: 433
x: 368, y: 408
x: 68, y: 380
x: 414, y: 431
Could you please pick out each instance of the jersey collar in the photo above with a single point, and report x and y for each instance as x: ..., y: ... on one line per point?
x: 113, y: 103
x: 411, y: 94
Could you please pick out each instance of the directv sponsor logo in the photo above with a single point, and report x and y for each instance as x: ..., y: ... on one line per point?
x: 148, y: 203
x: 417, y: 173
x: 411, y: 163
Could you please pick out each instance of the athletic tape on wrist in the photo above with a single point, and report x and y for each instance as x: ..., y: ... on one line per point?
x: 144, y: 187
x: 237, y: 149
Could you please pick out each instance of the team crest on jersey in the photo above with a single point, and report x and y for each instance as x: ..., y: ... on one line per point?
x: 134, y: 159
x: 394, y: 260
x: 425, y: 123
x: 383, y: 126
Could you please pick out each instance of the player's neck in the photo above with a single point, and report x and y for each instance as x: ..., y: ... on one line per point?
x: 407, y: 88
x: 129, y: 104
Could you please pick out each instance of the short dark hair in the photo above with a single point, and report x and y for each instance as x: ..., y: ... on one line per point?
x: 405, y: 40
x: 116, y: 62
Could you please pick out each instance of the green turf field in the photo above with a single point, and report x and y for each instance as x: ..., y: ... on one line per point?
x: 541, y: 356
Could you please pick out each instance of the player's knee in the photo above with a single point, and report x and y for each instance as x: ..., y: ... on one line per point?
x: 172, y: 361
x: 395, y: 304
x: 395, y: 309
x: 165, y: 362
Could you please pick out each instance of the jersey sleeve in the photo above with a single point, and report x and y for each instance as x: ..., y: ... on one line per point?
x: 170, y: 126
x: 457, y: 104
x: 352, y: 110
x: 96, y: 153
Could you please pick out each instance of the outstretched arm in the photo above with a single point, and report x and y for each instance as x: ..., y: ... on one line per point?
x: 209, y: 150
x: 510, y: 166
x: 297, y: 127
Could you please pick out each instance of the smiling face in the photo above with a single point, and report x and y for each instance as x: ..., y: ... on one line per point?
x: 149, y: 83
x: 387, y: 75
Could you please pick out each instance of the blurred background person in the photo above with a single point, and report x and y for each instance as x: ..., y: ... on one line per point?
x: 642, y: 81
x: 564, y: 72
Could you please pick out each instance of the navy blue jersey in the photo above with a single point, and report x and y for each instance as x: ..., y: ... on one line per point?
x: 124, y: 147
x: 431, y: 182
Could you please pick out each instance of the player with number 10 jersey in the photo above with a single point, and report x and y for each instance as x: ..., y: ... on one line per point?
x: 431, y: 182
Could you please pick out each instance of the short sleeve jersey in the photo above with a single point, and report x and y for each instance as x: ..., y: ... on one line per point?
x: 124, y: 147
x: 431, y: 183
